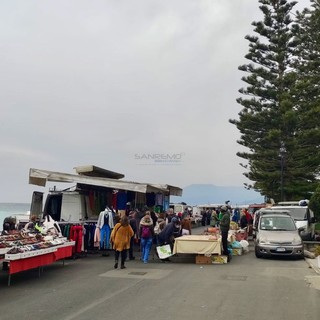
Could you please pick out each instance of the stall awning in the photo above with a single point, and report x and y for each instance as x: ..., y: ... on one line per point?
x: 40, y: 177
x: 94, y: 171
x: 174, y: 191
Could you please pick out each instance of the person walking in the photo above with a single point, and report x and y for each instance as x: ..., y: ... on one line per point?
x: 186, y: 226
x: 120, y: 239
x: 133, y: 225
x: 161, y: 222
x: 146, y: 234
x: 224, y: 228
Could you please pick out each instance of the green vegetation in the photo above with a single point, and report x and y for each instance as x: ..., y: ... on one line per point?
x: 278, y: 122
x: 314, y: 205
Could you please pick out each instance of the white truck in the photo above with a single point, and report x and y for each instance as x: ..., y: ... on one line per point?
x: 302, y: 215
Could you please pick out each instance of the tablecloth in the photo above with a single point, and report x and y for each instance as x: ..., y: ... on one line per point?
x: 198, y: 244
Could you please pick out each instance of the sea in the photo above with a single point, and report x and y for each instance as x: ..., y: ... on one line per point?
x: 8, y: 209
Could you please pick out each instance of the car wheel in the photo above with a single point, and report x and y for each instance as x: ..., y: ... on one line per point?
x: 257, y: 253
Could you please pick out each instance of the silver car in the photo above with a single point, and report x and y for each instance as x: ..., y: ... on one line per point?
x: 277, y: 235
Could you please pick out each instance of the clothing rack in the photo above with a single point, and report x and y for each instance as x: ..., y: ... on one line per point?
x: 77, y: 222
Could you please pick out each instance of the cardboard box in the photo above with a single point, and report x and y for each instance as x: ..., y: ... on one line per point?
x: 203, y: 259
x: 219, y: 259
x: 231, y: 238
x: 237, y: 251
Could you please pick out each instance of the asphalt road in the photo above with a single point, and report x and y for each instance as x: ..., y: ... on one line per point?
x: 89, y: 288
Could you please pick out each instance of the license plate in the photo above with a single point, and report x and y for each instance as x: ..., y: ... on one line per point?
x: 281, y: 249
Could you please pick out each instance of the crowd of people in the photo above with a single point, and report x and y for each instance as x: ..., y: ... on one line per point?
x: 146, y: 228
x: 221, y: 217
x: 213, y: 216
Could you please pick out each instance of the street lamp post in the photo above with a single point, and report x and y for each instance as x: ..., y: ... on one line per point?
x: 282, y: 158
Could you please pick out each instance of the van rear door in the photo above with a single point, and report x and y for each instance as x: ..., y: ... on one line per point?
x: 36, y: 204
x: 72, y: 207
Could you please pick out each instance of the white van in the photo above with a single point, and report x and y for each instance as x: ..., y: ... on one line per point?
x: 61, y: 206
x: 302, y: 215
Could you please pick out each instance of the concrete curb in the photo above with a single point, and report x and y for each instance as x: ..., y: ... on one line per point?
x: 313, y: 264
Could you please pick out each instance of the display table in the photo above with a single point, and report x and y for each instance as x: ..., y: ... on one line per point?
x: 40, y: 260
x: 197, y: 244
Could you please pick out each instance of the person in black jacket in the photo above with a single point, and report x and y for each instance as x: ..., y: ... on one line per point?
x: 166, y: 236
x: 134, y: 226
x: 243, y: 220
x: 224, y: 228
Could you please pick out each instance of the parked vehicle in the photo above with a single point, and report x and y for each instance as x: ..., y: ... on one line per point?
x: 252, y: 208
x: 196, y: 215
x: 302, y: 215
x: 63, y: 205
x: 179, y: 207
x: 276, y: 234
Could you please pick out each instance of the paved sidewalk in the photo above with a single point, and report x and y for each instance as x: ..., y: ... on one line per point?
x: 314, y: 264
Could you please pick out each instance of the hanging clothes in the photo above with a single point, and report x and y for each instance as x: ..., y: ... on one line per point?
x: 88, y: 237
x: 151, y: 199
x: 159, y: 199
x: 76, y: 234
x: 121, y: 200
x: 105, y: 224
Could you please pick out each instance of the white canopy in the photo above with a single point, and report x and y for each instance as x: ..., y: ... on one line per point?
x: 40, y: 177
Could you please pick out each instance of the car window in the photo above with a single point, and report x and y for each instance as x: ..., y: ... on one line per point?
x: 297, y: 213
x: 266, y: 223
x: 277, y: 223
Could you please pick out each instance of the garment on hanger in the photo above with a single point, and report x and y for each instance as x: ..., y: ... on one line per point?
x: 76, y: 234
x: 150, y: 199
x: 105, y: 224
x: 159, y: 199
x: 121, y: 200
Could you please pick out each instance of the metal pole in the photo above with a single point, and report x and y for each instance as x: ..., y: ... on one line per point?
x: 281, y: 181
x: 282, y: 154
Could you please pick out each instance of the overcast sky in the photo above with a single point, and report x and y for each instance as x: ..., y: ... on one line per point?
x: 113, y: 82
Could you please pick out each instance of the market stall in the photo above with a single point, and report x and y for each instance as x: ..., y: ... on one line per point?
x: 32, y: 260
x: 197, y: 244
x: 21, y: 251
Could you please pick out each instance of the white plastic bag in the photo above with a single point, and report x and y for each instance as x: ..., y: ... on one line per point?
x: 245, y: 245
x: 164, y: 251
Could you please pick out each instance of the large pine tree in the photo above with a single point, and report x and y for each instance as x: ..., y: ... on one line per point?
x: 307, y: 94
x: 272, y: 123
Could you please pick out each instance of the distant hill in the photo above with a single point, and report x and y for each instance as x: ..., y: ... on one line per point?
x: 208, y: 193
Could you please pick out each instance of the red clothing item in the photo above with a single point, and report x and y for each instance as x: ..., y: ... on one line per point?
x: 248, y: 216
x: 76, y: 234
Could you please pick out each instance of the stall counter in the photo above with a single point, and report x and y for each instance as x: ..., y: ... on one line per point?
x: 197, y: 244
